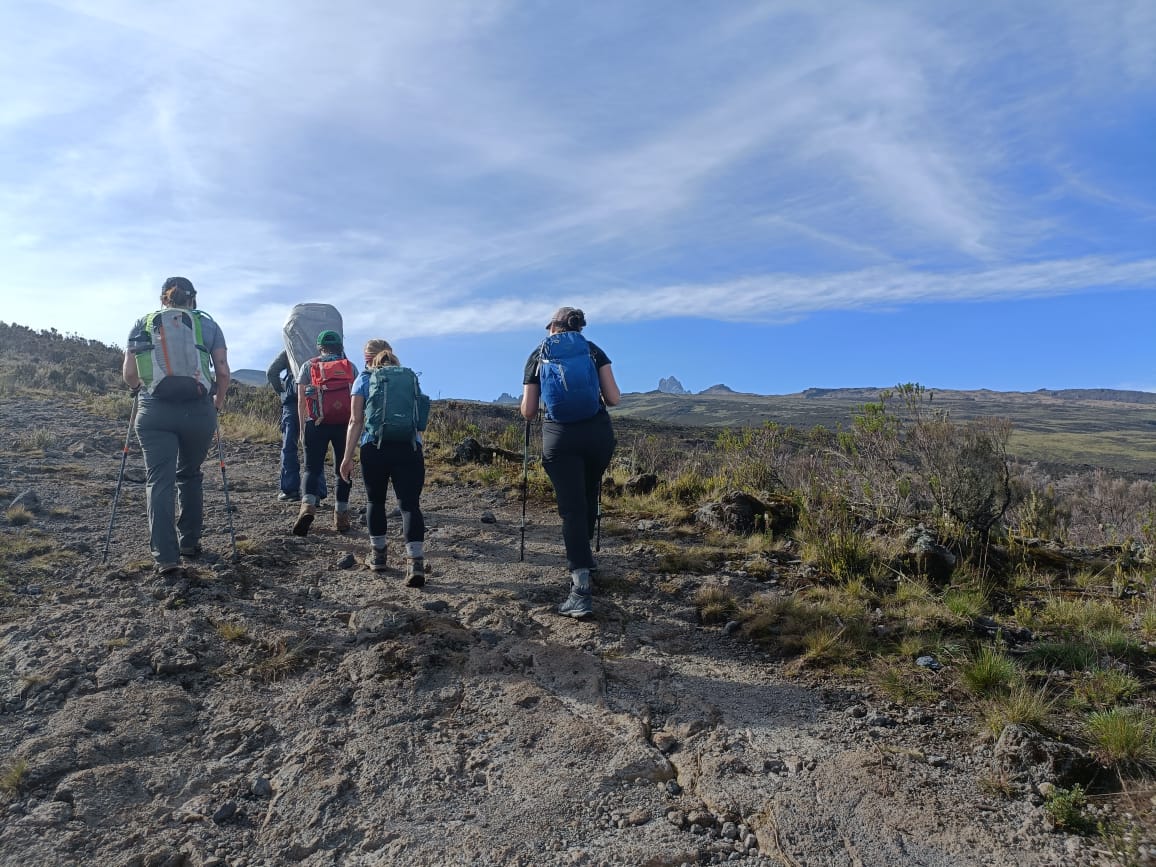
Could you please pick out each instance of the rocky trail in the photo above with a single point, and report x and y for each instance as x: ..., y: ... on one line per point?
x: 295, y: 708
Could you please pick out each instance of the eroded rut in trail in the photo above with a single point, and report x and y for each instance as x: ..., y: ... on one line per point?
x: 286, y: 710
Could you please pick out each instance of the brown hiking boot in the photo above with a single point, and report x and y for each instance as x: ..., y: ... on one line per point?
x: 304, y: 520
x: 341, y: 521
x: 376, y: 560
x: 415, y: 572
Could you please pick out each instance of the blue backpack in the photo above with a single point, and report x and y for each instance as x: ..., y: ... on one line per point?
x: 569, y: 378
x: 395, y: 409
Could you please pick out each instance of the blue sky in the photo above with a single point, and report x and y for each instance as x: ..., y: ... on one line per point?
x: 774, y: 196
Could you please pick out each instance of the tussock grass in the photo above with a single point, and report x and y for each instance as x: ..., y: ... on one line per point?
x: 1148, y: 622
x: 904, y: 683
x: 696, y: 559
x: 1104, y: 688
x: 826, y: 645
x: 715, y: 605
x: 36, y: 440
x: 12, y: 776
x: 1124, y: 737
x: 1083, y: 615
x: 967, y: 603
x: 230, y: 631
x: 250, y: 426
x: 1063, y: 655
x: 283, y: 658
x: 1117, y: 642
x: 18, y: 516
x: 1021, y: 705
x: 989, y: 673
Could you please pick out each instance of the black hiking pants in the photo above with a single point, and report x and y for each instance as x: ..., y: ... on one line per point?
x: 404, y: 465
x: 318, y: 439
x: 575, y: 455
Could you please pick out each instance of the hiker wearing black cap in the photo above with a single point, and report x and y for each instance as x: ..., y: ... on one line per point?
x: 573, y: 379
x: 323, y: 406
x: 177, y: 365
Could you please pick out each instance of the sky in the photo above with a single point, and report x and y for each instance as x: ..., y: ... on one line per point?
x: 770, y: 195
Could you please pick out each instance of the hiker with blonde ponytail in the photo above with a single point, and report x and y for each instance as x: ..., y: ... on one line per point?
x: 388, y: 413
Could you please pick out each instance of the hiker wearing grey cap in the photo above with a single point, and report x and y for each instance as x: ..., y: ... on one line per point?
x: 177, y: 365
x: 573, y: 379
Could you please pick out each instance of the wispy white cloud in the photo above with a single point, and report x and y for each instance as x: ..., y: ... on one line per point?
x: 432, y: 164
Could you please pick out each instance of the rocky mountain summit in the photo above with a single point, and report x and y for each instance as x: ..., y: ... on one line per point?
x: 294, y: 708
x: 671, y: 385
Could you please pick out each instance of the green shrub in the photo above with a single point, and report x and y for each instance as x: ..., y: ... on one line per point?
x: 1065, y: 807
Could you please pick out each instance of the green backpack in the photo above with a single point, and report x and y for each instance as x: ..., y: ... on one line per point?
x: 395, y: 409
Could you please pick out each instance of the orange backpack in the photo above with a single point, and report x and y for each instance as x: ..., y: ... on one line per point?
x: 328, y: 394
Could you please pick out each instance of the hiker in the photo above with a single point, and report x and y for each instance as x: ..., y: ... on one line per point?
x: 572, y: 377
x: 386, y: 392
x: 280, y: 377
x: 323, y: 402
x: 177, y: 365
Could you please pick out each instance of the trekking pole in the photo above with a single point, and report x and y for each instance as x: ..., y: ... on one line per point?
x: 225, y: 485
x: 120, y: 475
x: 525, y: 482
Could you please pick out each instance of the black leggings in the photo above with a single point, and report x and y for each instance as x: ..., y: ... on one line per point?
x: 575, y: 455
x: 405, y: 465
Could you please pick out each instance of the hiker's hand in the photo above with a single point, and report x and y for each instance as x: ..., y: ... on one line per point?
x: 219, y: 401
x: 347, y: 470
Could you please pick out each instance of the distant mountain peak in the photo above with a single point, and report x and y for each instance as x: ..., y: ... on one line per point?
x: 671, y: 385
x: 718, y: 389
x: 506, y: 397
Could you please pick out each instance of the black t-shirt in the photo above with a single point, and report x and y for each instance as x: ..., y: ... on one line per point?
x: 530, y: 377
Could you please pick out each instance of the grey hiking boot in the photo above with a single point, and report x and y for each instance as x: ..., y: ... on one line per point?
x: 376, y: 561
x: 580, y: 602
x: 168, y: 570
x: 577, y: 604
x: 415, y: 572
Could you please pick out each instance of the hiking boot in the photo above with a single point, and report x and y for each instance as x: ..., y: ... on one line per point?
x: 375, y: 560
x: 577, y: 604
x: 304, y: 520
x: 168, y: 570
x: 341, y: 521
x: 192, y: 552
x: 415, y: 572
x: 285, y: 497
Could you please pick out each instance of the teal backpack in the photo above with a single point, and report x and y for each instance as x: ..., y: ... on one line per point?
x: 395, y: 409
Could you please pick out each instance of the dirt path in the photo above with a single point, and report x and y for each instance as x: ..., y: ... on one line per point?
x: 287, y: 710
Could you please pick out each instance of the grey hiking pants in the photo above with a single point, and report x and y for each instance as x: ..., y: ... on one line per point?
x: 175, y: 437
